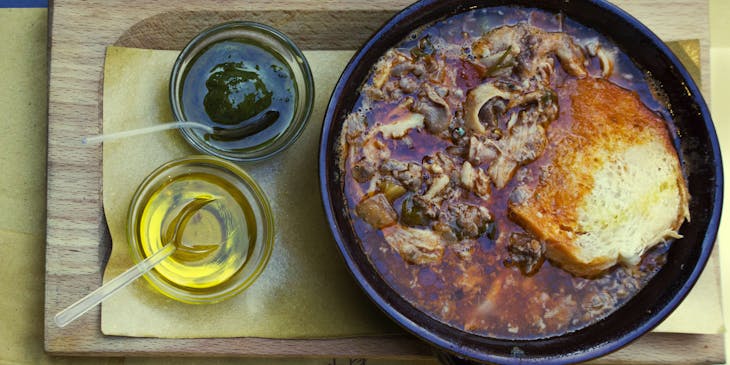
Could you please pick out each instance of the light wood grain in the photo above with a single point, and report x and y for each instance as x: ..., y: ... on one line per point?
x: 77, y: 238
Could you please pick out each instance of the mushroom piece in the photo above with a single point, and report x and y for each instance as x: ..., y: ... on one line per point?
x: 377, y: 211
x: 436, y: 117
x: 435, y: 110
x: 363, y: 170
x: 407, y: 173
x: 471, y: 221
x: 525, y: 252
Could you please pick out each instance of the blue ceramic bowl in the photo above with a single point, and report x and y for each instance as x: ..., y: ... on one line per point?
x: 699, y: 152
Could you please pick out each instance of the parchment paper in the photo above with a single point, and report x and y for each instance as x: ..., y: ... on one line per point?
x: 305, y: 292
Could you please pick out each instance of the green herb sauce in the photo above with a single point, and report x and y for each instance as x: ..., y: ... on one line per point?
x: 246, y: 92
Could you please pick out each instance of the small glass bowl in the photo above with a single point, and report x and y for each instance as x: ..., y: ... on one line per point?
x: 250, y: 255
x: 273, y: 41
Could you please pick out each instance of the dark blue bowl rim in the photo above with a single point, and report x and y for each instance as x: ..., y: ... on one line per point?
x: 451, y: 344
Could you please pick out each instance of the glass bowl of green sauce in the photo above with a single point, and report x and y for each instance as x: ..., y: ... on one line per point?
x: 248, y: 82
x: 236, y: 229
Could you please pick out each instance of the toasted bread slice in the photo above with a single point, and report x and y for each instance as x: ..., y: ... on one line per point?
x: 612, y: 186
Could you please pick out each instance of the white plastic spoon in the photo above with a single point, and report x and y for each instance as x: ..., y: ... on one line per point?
x: 151, y: 129
x: 177, y: 225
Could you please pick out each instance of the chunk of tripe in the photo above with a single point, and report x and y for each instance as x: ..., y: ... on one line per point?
x: 612, y: 187
x: 400, y: 127
x: 415, y: 245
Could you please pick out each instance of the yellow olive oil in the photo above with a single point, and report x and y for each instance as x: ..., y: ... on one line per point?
x: 228, y: 222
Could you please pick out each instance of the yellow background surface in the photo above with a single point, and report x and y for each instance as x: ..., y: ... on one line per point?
x: 23, y: 108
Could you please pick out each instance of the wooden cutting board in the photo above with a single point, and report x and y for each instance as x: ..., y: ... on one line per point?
x: 77, y: 238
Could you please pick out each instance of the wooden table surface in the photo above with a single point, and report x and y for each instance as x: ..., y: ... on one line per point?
x: 77, y: 238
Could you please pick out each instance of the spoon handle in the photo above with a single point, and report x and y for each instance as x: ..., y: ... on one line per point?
x: 82, y: 306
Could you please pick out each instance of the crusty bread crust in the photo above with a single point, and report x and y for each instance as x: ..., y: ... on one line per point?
x: 612, y: 186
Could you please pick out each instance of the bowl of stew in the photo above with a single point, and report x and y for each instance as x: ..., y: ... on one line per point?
x: 419, y: 176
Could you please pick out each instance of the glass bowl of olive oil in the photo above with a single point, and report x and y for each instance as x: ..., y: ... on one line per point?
x: 238, y: 224
x: 247, y: 81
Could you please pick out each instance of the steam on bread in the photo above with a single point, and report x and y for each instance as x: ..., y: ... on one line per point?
x: 612, y: 186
